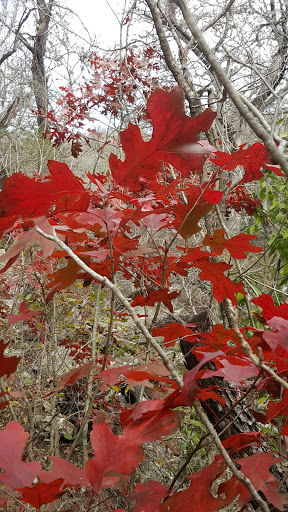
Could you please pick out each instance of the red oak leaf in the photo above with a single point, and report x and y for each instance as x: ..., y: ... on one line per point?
x: 139, y: 375
x: 148, y: 496
x: 62, y: 278
x: 8, y: 365
x: 69, y: 378
x: 114, y: 455
x: 188, y: 216
x: 265, y: 302
x: 239, y: 442
x: 252, y: 159
x: 172, y: 332
x: 222, y: 285
x: 27, y: 198
x: 29, y: 238
x: 189, y: 390
x: 16, y: 472
x: 26, y: 314
x: 276, y: 409
x: 198, y: 497
x: 233, y: 369
x: 199, y: 203
x: 256, y: 469
x: 162, y: 295
x: 150, y: 420
x: 278, y: 338
x: 111, y: 376
x: 237, y: 245
x: 70, y: 474
x: 172, y: 132
x: 218, y: 337
x: 42, y: 493
x: 7, y: 223
x: 143, y: 377
x: 241, y: 199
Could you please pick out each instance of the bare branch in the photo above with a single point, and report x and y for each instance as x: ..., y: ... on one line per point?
x: 253, y: 122
x: 220, y: 15
x: 189, y: 90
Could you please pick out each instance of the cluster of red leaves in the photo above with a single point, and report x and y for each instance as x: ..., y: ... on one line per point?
x: 103, y: 226
x: 105, y: 92
x: 240, y: 199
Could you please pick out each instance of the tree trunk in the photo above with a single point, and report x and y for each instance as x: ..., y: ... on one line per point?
x: 38, y: 65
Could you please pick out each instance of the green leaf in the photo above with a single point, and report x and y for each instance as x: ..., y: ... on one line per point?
x: 284, y: 270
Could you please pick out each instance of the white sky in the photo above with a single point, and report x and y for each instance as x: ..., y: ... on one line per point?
x: 99, y: 19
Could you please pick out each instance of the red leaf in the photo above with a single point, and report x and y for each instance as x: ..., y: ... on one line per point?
x: 114, y: 456
x: 26, y: 314
x: 27, y: 198
x: 222, y: 285
x: 7, y: 223
x: 62, y: 278
x: 265, y: 302
x: 256, y: 468
x: 69, y: 378
x: 16, y: 472
x: 8, y: 365
x: 135, y: 376
x: 241, y: 199
x: 218, y: 337
x: 65, y: 470
x: 172, y: 332
x: 187, y: 216
x: 29, y: 238
x: 189, y: 391
x: 277, y: 339
x: 237, y: 245
x: 148, y: 496
x: 252, y: 159
x: 111, y: 376
x: 198, y: 497
x: 172, y: 132
x: 238, y: 371
x: 42, y: 493
x: 276, y: 409
x: 162, y: 295
x: 150, y: 420
x: 239, y: 442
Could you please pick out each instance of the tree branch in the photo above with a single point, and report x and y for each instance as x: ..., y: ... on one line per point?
x: 253, y: 122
